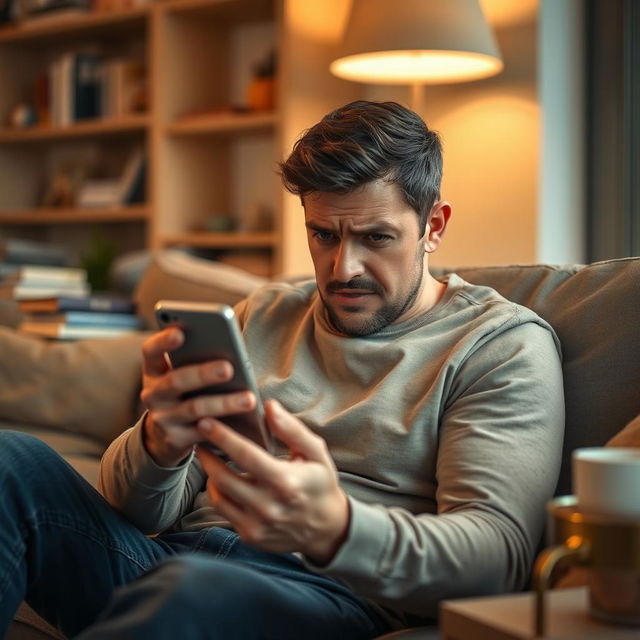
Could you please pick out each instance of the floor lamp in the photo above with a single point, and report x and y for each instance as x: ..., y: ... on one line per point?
x: 416, y: 42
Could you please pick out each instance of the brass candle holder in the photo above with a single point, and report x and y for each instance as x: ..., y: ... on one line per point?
x: 610, y: 550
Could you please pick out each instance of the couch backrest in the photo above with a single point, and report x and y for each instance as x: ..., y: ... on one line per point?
x: 595, y: 310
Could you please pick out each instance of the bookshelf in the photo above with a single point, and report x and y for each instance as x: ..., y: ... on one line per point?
x: 203, y: 145
x: 211, y: 181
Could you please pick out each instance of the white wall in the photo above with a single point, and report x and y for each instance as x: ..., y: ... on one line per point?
x: 561, y: 215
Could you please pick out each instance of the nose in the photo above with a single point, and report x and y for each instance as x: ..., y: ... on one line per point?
x: 348, y: 263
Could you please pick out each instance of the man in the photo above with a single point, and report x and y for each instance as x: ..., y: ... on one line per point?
x: 420, y: 421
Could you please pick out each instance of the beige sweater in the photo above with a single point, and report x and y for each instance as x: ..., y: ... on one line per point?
x: 446, y: 431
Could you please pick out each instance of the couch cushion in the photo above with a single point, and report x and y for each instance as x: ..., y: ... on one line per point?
x: 175, y: 275
x: 87, y: 387
x: 595, y: 311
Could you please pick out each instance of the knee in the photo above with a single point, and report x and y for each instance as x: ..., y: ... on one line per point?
x: 21, y: 451
x: 201, y: 582
x: 17, y: 445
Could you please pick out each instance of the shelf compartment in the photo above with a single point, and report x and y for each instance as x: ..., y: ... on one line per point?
x: 73, y: 215
x: 89, y: 128
x: 233, y: 240
x: 46, y: 31
x: 223, y: 123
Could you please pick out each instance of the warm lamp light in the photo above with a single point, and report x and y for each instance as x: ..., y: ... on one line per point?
x: 417, y: 42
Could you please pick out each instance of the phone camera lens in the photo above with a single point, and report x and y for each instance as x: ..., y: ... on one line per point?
x: 164, y: 317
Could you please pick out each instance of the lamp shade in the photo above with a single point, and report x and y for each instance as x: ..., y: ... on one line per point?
x: 417, y: 41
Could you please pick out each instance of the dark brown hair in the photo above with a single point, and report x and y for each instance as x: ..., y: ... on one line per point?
x: 364, y: 141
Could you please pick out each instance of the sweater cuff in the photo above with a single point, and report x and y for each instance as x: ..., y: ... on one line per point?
x: 363, y: 551
x: 149, y: 474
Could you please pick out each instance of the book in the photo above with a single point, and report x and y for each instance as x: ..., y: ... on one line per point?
x: 37, y: 275
x: 72, y: 332
x: 85, y: 86
x: 28, y: 292
x: 128, y: 188
x: 18, y: 252
x: 60, y: 304
x: 132, y: 183
x: 98, y: 193
x: 86, y: 318
x: 123, y: 87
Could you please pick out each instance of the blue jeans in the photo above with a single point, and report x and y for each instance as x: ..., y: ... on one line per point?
x: 88, y: 571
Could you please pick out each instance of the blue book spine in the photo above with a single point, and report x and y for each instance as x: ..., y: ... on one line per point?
x: 104, y: 319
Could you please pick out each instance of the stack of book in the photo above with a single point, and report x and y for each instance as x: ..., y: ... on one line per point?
x: 56, y: 302
x: 91, y: 317
x: 36, y: 281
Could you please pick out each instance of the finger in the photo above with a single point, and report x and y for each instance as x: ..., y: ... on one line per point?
x: 204, y: 406
x: 248, y: 455
x: 154, y: 362
x: 239, y: 488
x: 239, y: 519
x: 295, y: 434
x: 193, y: 377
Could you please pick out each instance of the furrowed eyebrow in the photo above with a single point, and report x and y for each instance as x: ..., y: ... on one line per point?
x: 316, y: 227
x: 362, y: 231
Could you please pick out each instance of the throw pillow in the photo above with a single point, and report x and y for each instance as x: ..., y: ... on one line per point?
x: 174, y: 275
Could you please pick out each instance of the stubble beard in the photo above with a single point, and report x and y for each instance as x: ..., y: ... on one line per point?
x: 379, y: 319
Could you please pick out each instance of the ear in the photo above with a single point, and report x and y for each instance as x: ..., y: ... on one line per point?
x: 436, y: 225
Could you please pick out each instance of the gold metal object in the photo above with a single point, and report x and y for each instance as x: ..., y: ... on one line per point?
x: 585, y: 539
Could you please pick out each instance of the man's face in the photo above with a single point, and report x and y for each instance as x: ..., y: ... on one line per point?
x: 367, y: 253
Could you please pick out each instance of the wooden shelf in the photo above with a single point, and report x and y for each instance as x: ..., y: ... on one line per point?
x: 60, y: 26
x: 223, y: 123
x: 204, y: 240
x: 236, y: 11
x: 73, y: 215
x: 106, y: 127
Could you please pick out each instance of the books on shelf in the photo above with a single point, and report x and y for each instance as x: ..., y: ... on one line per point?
x: 86, y: 85
x: 43, y: 275
x: 15, y: 252
x: 122, y: 88
x: 65, y: 318
x: 61, y: 304
x: 86, y: 318
x: 61, y: 331
x: 33, y: 281
x: 129, y: 188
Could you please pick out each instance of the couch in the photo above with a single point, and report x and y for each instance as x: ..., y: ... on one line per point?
x: 79, y: 396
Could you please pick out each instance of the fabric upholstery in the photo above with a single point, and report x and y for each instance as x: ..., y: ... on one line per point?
x: 595, y: 311
x: 174, y: 275
x: 88, y: 387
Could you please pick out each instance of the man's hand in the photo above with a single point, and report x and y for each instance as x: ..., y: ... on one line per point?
x: 278, y: 505
x: 170, y: 426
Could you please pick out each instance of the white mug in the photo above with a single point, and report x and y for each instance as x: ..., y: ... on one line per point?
x: 606, y: 481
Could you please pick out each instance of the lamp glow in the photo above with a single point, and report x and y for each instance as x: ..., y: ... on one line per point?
x: 417, y: 42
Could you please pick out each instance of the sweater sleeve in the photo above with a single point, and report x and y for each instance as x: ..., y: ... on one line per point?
x: 153, y: 498
x: 497, y: 466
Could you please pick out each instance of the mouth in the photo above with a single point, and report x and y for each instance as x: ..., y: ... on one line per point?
x: 351, y: 295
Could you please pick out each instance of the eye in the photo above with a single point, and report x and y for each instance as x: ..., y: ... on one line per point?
x: 379, y: 238
x: 324, y: 237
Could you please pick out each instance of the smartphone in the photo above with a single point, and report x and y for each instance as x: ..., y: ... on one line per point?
x: 211, y: 332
